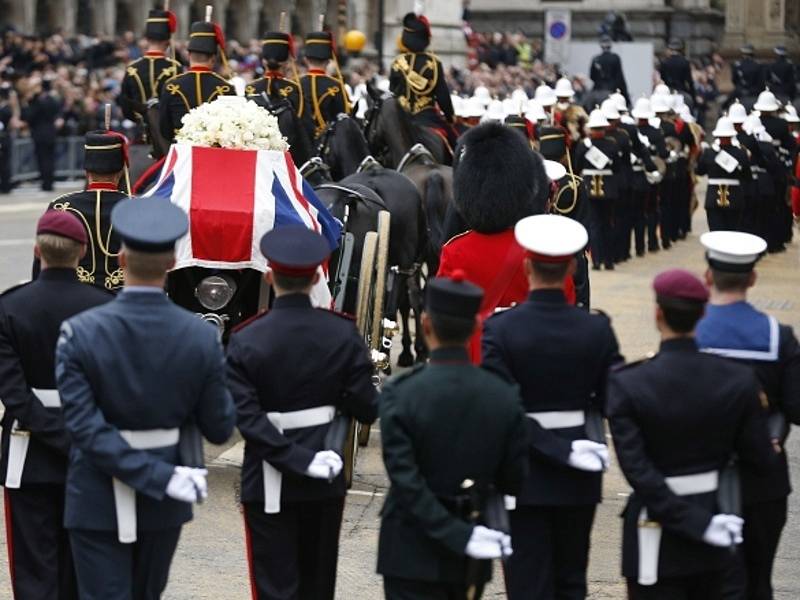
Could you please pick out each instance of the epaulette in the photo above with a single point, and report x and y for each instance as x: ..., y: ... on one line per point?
x: 247, y: 322
x: 404, y: 376
x: 343, y: 315
x: 628, y: 365
x: 458, y: 235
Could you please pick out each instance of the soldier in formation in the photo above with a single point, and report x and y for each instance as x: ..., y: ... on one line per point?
x: 324, y: 97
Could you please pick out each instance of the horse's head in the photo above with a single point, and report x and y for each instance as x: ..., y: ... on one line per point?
x: 342, y: 146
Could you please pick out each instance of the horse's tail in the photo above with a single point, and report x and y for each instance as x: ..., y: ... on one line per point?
x: 435, y: 208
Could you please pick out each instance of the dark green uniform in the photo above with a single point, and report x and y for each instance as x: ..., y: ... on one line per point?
x: 185, y: 92
x: 325, y: 99
x: 441, y: 425
x: 144, y: 81
x: 278, y: 88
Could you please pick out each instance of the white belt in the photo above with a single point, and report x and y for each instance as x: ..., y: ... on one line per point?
x: 124, y: 495
x: 559, y: 419
x: 650, y: 531
x: 273, y: 479
x: 19, y: 441
x: 597, y: 172
x: 728, y: 182
x: 638, y: 168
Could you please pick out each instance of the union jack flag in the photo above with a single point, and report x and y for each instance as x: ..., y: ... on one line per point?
x: 234, y: 197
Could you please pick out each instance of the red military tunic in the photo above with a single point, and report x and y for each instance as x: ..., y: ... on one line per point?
x: 493, y: 261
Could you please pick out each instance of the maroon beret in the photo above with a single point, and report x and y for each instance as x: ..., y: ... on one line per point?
x: 680, y: 284
x: 59, y: 222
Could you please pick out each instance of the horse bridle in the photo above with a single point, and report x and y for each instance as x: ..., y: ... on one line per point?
x: 369, y: 123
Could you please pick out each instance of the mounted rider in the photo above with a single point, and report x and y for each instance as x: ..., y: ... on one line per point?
x: 200, y: 84
x: 417, y: 79
x: 277, y: 50
x: 325, y: 96
x: 145, y: 78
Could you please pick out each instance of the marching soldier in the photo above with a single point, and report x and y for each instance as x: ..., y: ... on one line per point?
x: 646, y: 210
x: 675, y: 70
x: 325, y: 97
x: 134, y: 423
x: 276, y: 50
x: 781, y: 76
x: 292, y: 370
x: 623, y: 209
x: 144, y: 78
x: 536, y: 346
x: 606, y: 70
x: 35, y: 444
x: 729, y: 176
x: 733, y: 328
x: 675, y: 434
x: 748, y: 75
x: 200, y: 84
x: 417, y: 78
x: 454, y: 440
x: 105, y: 162
x: 599, y: 163
x: 567, y: 114
x: 778, y: 129
x: 488, y: 253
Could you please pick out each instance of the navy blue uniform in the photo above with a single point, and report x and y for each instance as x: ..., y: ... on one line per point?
x: 187, y: 91
x: 418, y: 80
x: 748, y: 78
x: 606, y: 73
x: 295, y: 358
x: 30, y: 318
x: 144, y: 80
x: 646, y: 205
x: 726, y: 193
x: 324, y: 99
x: 667, y: 422
x: 136, y: 364
x: 740, y: 332
x: 278, y: 89
x: 781, y: 79
x: 676, y: 73
x: 440, y: 425
x: 539, y: 346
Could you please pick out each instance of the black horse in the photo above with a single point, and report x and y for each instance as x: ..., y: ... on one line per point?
x: 362, y: 196
x: 391, y: 132
x: 300, y: 146
x: 342, y: 146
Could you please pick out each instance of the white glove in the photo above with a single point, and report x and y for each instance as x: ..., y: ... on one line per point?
x: 188, y: 484
x: 724, y: 531
x: 326, y: 464
x: 653, y: 177
x: 485, y: 543
x: 588, y: 456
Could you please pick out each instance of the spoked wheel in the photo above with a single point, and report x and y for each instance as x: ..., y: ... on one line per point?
x: 363, y: 316
x: 378, y: 300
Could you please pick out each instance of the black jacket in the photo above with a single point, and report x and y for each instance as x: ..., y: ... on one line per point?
x: 277, y: 87
x: 418, y: 80
x: 606, y: 184
x: 293, y: 358
x: 30, y: 318
x: 748, y: 78
x: 324, y: 99
x: 144, y: 80
x: 440, y: 425
x: 725, y: 197
x: 781, y: 78
x: 606, y: 73
x: 676, y: 73
x: 559, y: 356
x: 668, y: 421
x: 185, y: 92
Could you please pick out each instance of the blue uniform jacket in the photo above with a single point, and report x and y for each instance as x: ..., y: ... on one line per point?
x: 560, y: 356
x: 137, y: 363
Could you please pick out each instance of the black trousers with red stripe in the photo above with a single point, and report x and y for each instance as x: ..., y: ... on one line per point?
x: 39, y: 554
x: 292, y: 555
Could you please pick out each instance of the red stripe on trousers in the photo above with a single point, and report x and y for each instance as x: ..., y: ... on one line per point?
x: 222, y: 206
x: 9, y: 537
x: 250, y: 566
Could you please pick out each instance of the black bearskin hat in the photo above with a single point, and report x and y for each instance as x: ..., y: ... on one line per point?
x: 497, y: 178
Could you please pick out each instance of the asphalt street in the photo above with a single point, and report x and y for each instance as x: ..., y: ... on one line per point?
x: 211, y: 563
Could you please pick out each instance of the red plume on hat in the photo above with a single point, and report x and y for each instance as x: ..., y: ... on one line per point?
x: 122, y: 140
x: 219, y: 36
x: 292, y: 48
x: 172, y: 21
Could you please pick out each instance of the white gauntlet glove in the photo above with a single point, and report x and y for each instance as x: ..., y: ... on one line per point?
x: 588, y: 456
x: 326, y: 464
x: 188, y: 484
x: 724, y: 531
x: 485, y: 543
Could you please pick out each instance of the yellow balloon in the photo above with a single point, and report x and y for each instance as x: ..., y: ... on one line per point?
x: 355, y: 40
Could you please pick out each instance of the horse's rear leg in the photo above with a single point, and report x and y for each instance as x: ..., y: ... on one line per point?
x: 406, y: 358
x: 415, y: 296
